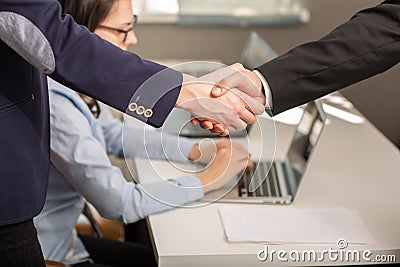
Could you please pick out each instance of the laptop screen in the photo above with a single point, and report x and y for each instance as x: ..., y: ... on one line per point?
x: 305, y: 139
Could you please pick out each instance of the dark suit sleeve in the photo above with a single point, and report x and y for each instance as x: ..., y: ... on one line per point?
x: 366, y: 45
x: 85, y: 62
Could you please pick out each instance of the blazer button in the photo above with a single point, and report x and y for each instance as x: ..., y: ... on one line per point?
x: 140, y: 110
x: 132, y: 107
x: 148, y: 113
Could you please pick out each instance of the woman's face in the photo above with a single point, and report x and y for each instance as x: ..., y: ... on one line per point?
x: 119, y: 18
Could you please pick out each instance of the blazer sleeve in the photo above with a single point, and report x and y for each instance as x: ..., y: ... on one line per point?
x: 366, y: 45
x: 72, y: 55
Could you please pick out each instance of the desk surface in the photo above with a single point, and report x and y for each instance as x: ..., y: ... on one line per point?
x: 353, y: 166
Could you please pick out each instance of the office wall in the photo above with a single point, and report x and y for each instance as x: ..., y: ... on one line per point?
x: 377, y: 98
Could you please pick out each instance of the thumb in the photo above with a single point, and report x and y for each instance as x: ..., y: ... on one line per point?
x: 217, y: 91
x: 235, y: 80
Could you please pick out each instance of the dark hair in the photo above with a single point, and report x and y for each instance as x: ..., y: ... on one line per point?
x: 89, y: 13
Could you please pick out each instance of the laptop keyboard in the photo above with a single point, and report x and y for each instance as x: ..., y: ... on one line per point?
x: 269, y: 186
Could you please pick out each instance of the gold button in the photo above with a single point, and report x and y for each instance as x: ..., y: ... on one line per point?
x: 148, y: 113
x: 140, y: 110
x: 132, y: 107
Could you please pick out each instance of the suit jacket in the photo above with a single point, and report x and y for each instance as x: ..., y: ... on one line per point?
x: 37, y: 40
x: 366, y: 45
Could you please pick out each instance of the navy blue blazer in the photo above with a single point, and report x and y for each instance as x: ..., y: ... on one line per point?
x: 37, y: 40
x: 368, y: 44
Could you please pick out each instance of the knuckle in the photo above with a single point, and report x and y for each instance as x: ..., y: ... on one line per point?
x: 238, y: 66
x: 252, y: 119
x: 223, y: 84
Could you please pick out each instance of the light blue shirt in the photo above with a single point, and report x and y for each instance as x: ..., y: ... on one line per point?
x: 80, y: 169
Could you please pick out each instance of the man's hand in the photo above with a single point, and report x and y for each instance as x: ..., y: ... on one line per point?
x: 232, y: 110
x: 244, y: 82
x: 240, y: 81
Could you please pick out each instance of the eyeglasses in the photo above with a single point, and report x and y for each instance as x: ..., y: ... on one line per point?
x: 126, y: 32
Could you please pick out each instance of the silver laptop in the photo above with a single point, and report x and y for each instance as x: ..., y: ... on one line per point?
x: 255, y: 53
x: 278, y: 181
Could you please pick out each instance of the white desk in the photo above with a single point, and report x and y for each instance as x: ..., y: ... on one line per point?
x: 354, y: 166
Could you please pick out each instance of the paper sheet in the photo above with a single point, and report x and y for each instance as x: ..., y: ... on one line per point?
x: 284, y: 225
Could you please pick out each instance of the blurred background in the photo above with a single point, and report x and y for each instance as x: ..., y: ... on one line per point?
x: 218, y: 30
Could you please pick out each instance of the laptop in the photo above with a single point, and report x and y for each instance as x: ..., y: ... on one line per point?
x: 256, y: 52
x: 277, y: 182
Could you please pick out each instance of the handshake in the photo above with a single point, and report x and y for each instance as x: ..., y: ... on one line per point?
x: 225, y: 100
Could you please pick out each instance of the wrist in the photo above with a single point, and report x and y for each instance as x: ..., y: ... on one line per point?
x: 266, y: 91
x: 187, y: 91
x: 205, y: 182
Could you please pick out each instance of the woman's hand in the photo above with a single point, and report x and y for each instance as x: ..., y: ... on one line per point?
x: 230, y: 160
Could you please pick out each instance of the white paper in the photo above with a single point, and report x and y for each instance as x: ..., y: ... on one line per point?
x: 285, y: 225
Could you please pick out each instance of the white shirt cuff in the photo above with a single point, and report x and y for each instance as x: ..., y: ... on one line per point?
x: 267, y: 90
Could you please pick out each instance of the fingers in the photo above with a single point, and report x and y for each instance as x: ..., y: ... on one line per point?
x: 215, y: 128
x: 206, y: 125
x: 245, y: 115
x: 219, y: 89
x: 220, y: 129
x: 237, y: 66
x: 255, y: 105
x: 220, y: 132
x: 230, y: 160
x: 236, y: 108
x: 240, y: 81
x: 221, y: 73
x: 247, y: 87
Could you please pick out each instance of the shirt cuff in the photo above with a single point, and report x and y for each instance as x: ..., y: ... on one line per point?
x: 267, y: 90
x: 193, y: 186
x: 163, y: 195
x: 176, y: 148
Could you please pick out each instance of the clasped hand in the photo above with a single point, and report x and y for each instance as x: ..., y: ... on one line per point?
x: 225, y: 100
